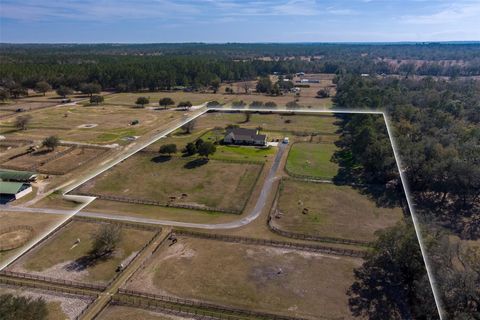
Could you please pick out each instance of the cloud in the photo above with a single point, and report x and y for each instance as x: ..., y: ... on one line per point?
x: 452, y: 13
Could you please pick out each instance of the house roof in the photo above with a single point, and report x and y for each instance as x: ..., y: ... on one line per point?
x: 245, y: 134
x: 13, y: 175
x: 12, y: 187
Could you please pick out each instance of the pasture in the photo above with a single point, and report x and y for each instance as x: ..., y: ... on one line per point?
x: 251, y: 277
x: 333, y: 211
x: 173, y: 180
x: 64, y: 257
x: 312, y: 159
x: 10, y: 221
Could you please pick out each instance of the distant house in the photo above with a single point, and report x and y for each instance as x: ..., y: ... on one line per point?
x: 243, y: 136
x: 13, y: 190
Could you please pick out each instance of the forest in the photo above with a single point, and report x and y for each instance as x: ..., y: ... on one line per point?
x: 163, y: 66
x: 436, y: 128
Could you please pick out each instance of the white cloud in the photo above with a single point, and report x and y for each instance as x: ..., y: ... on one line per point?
x: 452, y: 13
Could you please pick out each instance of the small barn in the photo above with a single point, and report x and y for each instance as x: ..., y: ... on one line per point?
x: 17, y: 176
x: 13, y: 190
x: 242, y: 136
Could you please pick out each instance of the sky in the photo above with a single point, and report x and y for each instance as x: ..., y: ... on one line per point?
x: 218, y: 21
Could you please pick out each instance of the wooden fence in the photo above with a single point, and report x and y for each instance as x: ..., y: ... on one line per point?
x: 275, y: 243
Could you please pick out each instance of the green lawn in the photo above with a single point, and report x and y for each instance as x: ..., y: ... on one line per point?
x: 312, y: 159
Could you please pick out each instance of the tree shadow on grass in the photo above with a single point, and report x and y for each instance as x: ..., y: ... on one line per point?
x: 86, y: 262
x: 196, y: 163
x: 41, y: 152
x: 161, y: 159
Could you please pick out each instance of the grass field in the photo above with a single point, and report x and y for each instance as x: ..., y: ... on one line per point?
x: 216, y: 184
x: 110, y: 123
x: 312, y: 159
x: 73, y: 159
x: 322, y: 124
x: 59, y: 307
x: 250, y: 277
x: 115, y: 312
x: 40, y: 222
x: 333, y: 211
x: 59, y: 257
x: 37, y: 158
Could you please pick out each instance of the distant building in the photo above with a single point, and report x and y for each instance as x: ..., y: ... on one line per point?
x: 13, y: 190
x: 241, y: 136
x: 309, y: 81
x: 17, y: 176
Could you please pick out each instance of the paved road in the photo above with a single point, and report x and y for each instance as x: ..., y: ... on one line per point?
x: 257, y: 210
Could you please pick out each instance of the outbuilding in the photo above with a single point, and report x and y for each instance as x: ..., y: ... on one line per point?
x: 13, y: 190
x: 17, y: 176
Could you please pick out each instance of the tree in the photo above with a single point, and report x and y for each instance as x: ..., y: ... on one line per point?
x: 168, y: 149
x: 90, y: 88
x: 246, y: 85
x: 215, y: 84
x: 248, y: 115
x: 256, y: 103
x: 51, y: 142
x: 4, y: 95
x: 270, y: 104
x: 64, y: 91
x: 264, y: 85
x: 22, y: 122
x: 323, y: 93
x: 13, y: 308
x: 292, y: 104
x: 388, y: 283
x: 96, y: 99
x: 105, y: 239
x: 190, y: 149
x: 185, y: 104
x: 214, y: 103
x: 238, y: 103
x: 189, y: 126
x: 165, y: 102
x: 43, y: 87
x: 206, y: 149
x: 142, y: 101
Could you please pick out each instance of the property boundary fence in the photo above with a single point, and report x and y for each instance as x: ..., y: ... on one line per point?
x: 275, y: 243
x: 67, y: 283
x: 4, y: 247
x: 126, y: 224
x: 138, y: 298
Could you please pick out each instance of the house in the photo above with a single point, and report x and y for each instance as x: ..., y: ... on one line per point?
x: 245, y: 137
x: 13, y: 190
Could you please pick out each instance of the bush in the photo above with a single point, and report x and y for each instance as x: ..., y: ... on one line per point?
x: 256, y: 104
x: 96, y: 99
x: 237, y: 103
x: 13, y: 308
x: 270, y: 104
x: 168, y: 149
x: 213, y: 104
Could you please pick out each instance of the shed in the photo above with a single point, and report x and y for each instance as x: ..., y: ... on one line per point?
x: 13, y: 190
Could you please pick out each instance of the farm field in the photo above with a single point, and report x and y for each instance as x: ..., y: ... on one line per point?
x: 115, y: 312
x: 333, y: 211
x: 214, y: 184
x: 250, y: 277
x: 320, y: 124
x: 59, y: 306
x: 31, y: 160
x: 38, y: 222
x: 95, y: 124
x: 63, y: 257
x: 73, y: 159
x: 312, y: 159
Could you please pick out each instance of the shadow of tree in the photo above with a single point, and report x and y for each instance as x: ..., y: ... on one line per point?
x: 196, y: 163
x: 86, y: 262
x: 161, y: 159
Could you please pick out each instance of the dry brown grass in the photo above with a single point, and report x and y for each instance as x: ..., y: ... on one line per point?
x: 215, y: 184
x: 251, y: 277
x: 40, y: 222
x: 333, y: 211
x: 114, y: 312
